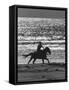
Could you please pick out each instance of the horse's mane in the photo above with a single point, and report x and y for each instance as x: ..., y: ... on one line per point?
x: 47, y: 48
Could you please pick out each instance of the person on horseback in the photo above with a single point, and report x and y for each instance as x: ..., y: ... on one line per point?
x: 39, y: 47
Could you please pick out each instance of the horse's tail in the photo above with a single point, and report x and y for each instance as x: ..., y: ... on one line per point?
x: 27, y: 55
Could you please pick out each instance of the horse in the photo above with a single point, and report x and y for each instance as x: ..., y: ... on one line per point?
x: 42, y: 54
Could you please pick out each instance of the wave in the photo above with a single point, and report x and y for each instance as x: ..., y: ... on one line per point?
x: 34, y: 47
x: 43, y: 42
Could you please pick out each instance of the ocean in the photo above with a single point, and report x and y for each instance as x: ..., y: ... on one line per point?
x: 27, y: 45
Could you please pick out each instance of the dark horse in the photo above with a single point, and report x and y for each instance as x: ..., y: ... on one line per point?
x: 39, y: 55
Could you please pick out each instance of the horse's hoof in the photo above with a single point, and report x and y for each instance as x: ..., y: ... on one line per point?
x: 33, y: 62
x: 48, y: 63
x: 28, y: 63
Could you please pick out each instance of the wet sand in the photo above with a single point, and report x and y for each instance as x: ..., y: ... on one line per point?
x: 39, y: 72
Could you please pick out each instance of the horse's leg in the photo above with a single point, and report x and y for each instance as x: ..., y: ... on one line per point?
x: 43, y: 61
x: 47, y: 60
x: 30, y: 60
x: 34, y: 60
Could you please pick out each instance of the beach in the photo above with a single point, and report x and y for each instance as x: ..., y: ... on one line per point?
x: 40, y: 72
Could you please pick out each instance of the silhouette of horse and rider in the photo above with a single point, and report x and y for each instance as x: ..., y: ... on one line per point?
x: 40, y: 53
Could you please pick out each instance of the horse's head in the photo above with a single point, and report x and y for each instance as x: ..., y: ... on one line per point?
x: 47, y: 50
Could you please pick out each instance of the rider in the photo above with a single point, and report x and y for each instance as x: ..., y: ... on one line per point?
x: 39, y: 47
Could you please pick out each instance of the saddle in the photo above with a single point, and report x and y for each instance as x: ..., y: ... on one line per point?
x: 39, y: 52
